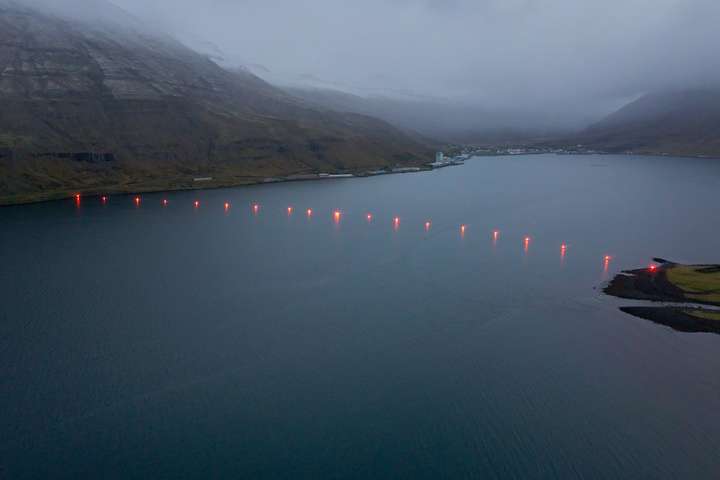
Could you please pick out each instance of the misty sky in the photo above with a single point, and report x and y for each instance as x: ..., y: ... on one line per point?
x: 558, y: 53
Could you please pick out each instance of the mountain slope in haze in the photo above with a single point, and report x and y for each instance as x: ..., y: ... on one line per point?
x: 445, y: 120
x: 677, y: 123
x: 100, y: 104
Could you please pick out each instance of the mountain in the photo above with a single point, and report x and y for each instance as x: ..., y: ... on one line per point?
x: 678, y: 123
x: 93, y: 101
x: 446, y: 120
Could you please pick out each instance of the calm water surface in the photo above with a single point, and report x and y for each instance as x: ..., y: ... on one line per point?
x: 151, y: 341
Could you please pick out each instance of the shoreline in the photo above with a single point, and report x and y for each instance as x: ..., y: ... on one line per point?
x: 251, y: 181
x: 211, y: 183
x: 690, y: 286
x: 678, y: 318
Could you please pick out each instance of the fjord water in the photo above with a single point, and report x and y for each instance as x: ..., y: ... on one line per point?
x: 174, y: 341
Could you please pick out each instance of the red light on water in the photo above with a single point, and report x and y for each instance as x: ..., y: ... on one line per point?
x: 652, y: 267
x: 336, y: 216
x: 77, y: 196
x: 227, y: 206
x: 289, y: 211
x: 104, y: 199
x: 196, y: 203
x: 309, y: 212
x: 396, y: 223
x: 369, y: 217
x: 255, y: 208
x: 164, y: 202
x: 428, y: 224
x: 526, y: 244
x: 137, y: 201
x: 462, y: 230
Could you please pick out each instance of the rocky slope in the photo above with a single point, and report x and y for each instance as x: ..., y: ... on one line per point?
x: 678, y: 123
x: 98, y: 103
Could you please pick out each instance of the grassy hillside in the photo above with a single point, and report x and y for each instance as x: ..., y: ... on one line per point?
x: 107, y: 106
x: 675, y: 123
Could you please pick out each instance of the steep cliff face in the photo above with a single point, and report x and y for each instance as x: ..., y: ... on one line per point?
x: 100, y: 104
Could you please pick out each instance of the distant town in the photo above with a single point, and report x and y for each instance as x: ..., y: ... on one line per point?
x: 494, y: 150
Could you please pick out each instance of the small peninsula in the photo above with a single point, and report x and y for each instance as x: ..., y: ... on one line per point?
x: 688, y: 287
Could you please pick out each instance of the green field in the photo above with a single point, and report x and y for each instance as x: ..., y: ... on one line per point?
x: 699, y: 282
x: 705, y: 314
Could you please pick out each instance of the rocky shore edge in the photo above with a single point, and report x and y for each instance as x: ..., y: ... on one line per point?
x: 653, y: 284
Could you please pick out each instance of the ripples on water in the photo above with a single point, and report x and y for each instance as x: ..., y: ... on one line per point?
x: 278, y: 331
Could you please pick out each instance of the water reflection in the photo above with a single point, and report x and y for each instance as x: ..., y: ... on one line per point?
x: 606, y: 265
x: 337, y: 215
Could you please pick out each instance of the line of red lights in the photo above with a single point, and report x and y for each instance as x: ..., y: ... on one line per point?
x: 337, y: 214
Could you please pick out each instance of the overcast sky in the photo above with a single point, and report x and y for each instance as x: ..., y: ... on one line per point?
x: 500, y: 52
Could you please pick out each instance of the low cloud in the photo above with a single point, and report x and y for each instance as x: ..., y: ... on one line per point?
x: 566, y: 57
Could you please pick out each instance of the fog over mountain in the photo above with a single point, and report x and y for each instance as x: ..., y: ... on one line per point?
x: 95, y: 101
x: 559, y: 62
